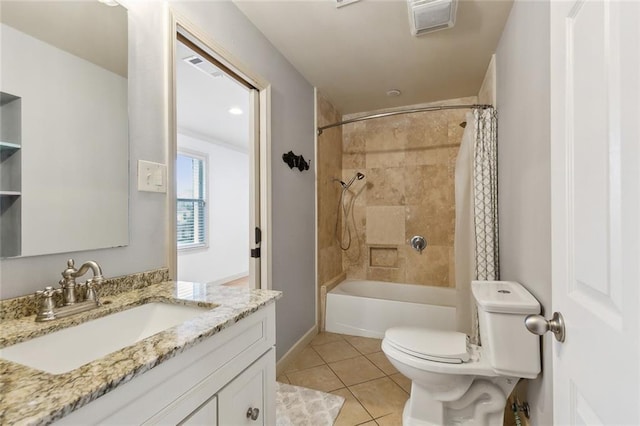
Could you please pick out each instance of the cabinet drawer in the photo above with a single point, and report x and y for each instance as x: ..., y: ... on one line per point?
x: 206, y: 414
x: 250, y: 398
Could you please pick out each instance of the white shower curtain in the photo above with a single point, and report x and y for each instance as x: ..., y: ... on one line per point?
x: 476, y: 232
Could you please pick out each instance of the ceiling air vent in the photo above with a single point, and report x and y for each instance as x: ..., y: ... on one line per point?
x: 426, y: 16
x: 204, y: 66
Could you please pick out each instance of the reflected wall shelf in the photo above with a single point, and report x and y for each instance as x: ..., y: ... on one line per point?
x: 10, y: 175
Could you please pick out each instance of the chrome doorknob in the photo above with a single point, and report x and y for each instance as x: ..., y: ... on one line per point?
x: 253, y: 413
x: 537, y: 324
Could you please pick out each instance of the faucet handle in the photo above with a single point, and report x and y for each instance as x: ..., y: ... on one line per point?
x: 46, y: 311
x: 48, y: 292
x: 91, y: 293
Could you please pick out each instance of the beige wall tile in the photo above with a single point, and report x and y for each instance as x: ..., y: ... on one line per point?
x: 425, y: 156
x: 356, y: 270
x: 385, y: 186
x: 356, y: 370
x: 328, y: 168
x: 437, y: 227
x: 391, y: 275
x: 330, y: 264
x: 356, y: 160
x: 428, y: 185
x: 380, y: 159
x: 452, y: 267
x: 409, y: 160
x: 431, y: 267
x: 428, y: 129
x: 385, y: 225
x: 380, y: 397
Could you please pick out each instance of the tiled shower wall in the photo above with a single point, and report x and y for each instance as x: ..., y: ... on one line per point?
x: 409, y: 164
x: 329, y: 167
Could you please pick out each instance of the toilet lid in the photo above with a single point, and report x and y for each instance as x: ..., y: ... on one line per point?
x: 433, y: 345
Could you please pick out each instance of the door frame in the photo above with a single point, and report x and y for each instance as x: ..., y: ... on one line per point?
x: 180, y: 24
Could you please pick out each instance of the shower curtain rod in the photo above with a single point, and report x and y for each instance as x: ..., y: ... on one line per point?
x: 406, y: 111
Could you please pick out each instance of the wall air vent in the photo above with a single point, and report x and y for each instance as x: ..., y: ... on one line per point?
x: 426, y: 16
x: 204, y: 66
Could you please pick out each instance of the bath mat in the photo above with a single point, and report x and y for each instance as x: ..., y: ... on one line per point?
x: 298, y: 406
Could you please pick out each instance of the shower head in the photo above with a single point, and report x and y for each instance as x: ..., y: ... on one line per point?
x: 358, y: 176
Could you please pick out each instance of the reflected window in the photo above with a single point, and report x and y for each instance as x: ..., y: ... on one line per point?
x: 192, y: 214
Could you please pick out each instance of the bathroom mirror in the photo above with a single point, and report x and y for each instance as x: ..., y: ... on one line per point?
x: 64, y: 145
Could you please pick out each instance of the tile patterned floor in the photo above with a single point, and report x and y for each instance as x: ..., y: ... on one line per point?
x: 356, y: 369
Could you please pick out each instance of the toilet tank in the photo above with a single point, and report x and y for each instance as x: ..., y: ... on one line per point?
x: 502, y: 307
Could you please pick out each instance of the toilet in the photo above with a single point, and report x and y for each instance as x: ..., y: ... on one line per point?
x: 454, y: 382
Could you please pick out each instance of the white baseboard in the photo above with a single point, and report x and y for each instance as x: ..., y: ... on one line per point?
x: 295, y: 350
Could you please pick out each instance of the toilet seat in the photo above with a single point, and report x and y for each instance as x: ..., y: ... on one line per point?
x: 448, y: 347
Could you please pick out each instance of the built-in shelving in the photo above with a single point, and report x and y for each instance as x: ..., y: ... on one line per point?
x: 10, y: 175
x: 8, y: 148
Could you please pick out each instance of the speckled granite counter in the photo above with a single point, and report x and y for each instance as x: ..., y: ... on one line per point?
x: 29, y: 396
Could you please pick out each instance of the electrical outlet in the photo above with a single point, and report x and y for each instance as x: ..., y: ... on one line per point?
x: 152, y: 177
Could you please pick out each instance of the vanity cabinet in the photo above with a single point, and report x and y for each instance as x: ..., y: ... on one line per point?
x: 227, y: 379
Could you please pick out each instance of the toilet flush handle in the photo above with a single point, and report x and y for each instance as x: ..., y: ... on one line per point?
x: 537, y: 324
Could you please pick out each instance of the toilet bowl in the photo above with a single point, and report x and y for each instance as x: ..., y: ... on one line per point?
x: 456, y: 382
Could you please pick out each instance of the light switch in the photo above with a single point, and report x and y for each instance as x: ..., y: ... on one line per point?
x: 152, y: 177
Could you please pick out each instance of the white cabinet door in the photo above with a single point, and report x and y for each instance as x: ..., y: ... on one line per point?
x: 595, y: 176
x: 250, y: 398
x: 206, y: 414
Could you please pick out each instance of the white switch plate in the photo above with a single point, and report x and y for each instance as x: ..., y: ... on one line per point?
x: 152, y: 177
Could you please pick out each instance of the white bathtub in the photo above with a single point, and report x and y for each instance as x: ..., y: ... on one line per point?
x: 368, y: 308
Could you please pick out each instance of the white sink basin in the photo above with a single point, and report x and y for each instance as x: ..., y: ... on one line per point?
x: 70, y: 348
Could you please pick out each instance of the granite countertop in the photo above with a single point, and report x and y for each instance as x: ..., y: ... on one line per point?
x: 30, y: 396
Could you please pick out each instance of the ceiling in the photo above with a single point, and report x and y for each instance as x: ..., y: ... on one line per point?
x: 356, y: 53
x: 203, y: 103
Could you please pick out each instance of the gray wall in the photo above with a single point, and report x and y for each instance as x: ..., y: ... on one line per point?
x: 148, y: 141
x: 293, y: 192
x: 292, y: 121
x: 524, y: 169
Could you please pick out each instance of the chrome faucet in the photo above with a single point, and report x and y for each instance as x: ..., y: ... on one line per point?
x: 76, y: 297
x: 68, y: 281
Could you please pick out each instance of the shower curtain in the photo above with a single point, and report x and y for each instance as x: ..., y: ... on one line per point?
x: 476, y: 232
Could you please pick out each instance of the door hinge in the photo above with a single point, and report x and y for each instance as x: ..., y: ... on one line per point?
x: 258, y: 235
x: 255, y: 252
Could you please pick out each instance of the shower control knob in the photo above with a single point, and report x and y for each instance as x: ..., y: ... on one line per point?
x: 418, y: 243
x: 537, y: 324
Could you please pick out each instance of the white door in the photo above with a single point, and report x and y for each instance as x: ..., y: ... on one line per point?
x: 595, y: 176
